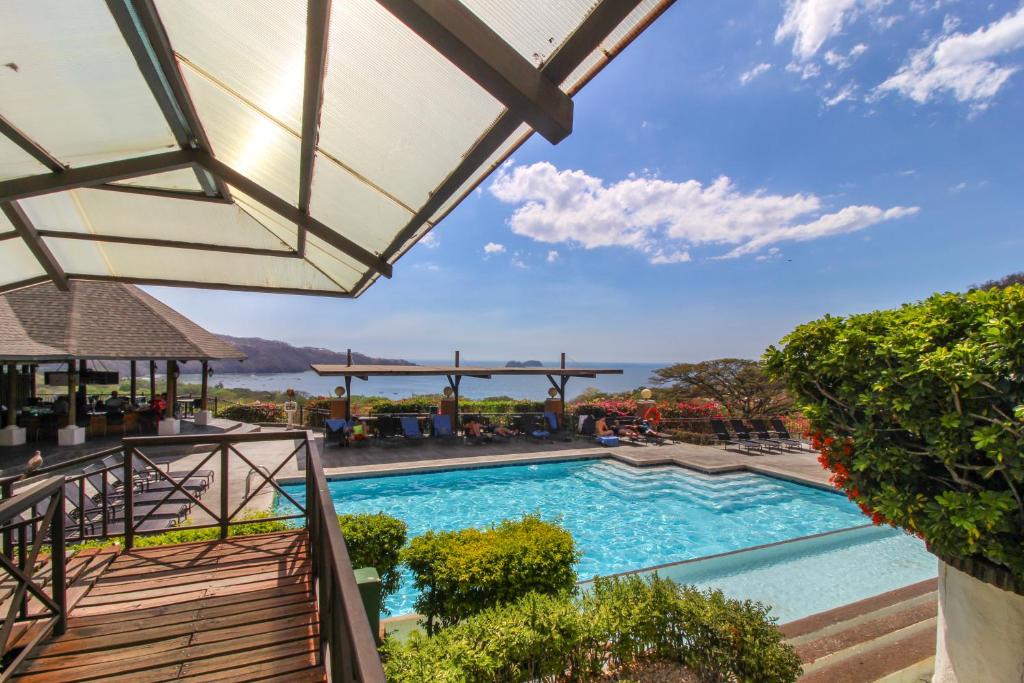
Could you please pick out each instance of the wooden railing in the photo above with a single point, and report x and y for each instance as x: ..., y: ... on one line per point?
x: 347, y: 644
x: 30, y: 519
x: 111, y: 490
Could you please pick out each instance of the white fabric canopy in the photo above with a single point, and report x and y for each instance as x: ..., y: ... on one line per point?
x: 321, y: 140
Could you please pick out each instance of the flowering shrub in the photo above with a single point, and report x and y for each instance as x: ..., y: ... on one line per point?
x: 918, y: 415
x: 668, y: 409
x: 253, y: 412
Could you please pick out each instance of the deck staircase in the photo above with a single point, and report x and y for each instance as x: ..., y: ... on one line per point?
x: 890, y: 637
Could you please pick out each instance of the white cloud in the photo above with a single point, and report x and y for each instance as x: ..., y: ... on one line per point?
x: 958, y: 188
x: 809, y: 70
x: 753, y: 73
x: 844, y: 94
x: 961, y: 64
x: 494, y: 248
x: 811, y: 22
x: 430, y: 241
x: 518, y: 262
x: 773, y: 253
x: 664, y: 219
x: 552, y: 256
x: 841, y: 61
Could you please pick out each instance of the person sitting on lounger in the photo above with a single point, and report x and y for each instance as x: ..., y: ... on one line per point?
x: 624, y: 431
x: 474, y: 429
x: 504, y: 431
x: 601, y: 428
x: 648, y: 431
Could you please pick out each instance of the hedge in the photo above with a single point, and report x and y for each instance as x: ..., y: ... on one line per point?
x: 460, y: 573
x: 918, y: 414
x: 375, y: 540
x: 620, y: 625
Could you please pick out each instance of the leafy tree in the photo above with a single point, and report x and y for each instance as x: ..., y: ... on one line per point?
x: 920, y: 414
x: 739, y: 385
x: 1006, y: 281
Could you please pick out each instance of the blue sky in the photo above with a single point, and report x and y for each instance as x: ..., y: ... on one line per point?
x: 744, y: 166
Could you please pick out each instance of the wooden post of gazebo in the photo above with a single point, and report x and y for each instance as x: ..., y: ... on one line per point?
x: 152, y: 380
x: 134, y: 379
x: 71, y: 434
x: 170, y: 425
x: 203, y: 415
x: 12, y: 434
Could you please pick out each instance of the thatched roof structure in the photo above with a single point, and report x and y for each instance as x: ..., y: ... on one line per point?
x: 100, y: 321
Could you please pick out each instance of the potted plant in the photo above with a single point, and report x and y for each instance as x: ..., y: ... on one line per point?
x: 919, y: 415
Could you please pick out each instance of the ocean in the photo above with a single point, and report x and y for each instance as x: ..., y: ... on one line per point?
x: 634, y: 375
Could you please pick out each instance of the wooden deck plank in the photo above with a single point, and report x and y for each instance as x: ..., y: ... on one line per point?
x: 239, y: 609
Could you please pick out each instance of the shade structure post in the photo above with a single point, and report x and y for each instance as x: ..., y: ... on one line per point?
x: 455, y: 389
x: 72, y: 407
x: 204, y: 397
x: 134, y: 381
x: 12, y: 395
x: 152, y: 380
x: 83, y: 388
x: 172, y: 388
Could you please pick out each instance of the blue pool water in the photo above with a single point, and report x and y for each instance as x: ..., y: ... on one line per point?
x: 623, y: 518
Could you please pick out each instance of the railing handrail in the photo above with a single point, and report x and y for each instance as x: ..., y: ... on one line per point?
x: 27, y: 499
x: 225, y: 437
x: 366, y: 663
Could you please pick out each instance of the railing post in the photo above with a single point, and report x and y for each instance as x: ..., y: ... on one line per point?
x: 6, y: 491
x: 129, y: 498
x: 58, y: 566
x: 224, y: 490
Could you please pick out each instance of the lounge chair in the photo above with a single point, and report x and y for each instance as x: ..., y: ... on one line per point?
x: 411, y: 429
x: 556, y: 432
x: 743, y: 434
x: 335, y: 428
x: 538, y: 428
x: 147, y: 473
x: 764, y: 434
x: 115, y: 495
x: 782, y: 434
x: 588, y: 426
x: 441, y: 428
x: 726, y: 439
x: 197, y: 485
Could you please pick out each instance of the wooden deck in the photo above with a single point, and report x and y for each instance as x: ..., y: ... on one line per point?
x: 234, y: 610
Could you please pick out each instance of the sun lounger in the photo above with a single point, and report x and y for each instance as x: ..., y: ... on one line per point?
x: 762, y: 432
x: 742, y: 433
x: 94, y: 476
x: 726, y: 439
x: 441, y: 428
x: 335, y: 428
x: 781, y: 433
x: 411, y: 429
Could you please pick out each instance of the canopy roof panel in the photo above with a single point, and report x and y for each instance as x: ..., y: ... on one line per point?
x: 102, y: 321
x: 298, y: 146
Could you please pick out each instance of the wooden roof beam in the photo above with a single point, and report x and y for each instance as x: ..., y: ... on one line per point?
x: 23, y: 226
x: 318, y: 19
x: 32, y: 148
x: 477, y: 50
x: 291, y: 213
x: 97, y: 174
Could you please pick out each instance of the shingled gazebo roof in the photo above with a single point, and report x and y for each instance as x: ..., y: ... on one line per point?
x: 100, y: 321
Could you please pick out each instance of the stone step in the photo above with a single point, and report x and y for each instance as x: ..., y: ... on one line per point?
x: 889, y: 636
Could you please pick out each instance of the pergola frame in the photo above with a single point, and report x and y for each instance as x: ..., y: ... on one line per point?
x: 454, y: 374
x: 530, y: 94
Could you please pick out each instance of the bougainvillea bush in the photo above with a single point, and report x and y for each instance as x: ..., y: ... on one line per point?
x: 253, y: 412
x: 919, y: 415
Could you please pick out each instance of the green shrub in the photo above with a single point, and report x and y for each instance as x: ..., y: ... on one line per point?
x: 460, y: 573
x: 375, y: 540
x: 620, y: 625
x: 918, y: 411
x: 252, y: 412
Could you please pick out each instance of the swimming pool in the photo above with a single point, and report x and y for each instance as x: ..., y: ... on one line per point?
x: 623, y: 518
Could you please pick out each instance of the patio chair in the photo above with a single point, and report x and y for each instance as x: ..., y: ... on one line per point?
x: 147, y: 473
x: 150, y: 481
x: 764, y: 434
x: 538, y: 429
x: 556, y: 431
x: 726, y: 439
x: 782, y: 434
x: 335, y: 428
x: 739, y: 428
x: 115, y: 495
x: 411, y: 429
x: 441, y: 428
x: 588, y: 426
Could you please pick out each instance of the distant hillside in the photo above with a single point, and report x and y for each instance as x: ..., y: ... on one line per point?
x: 266, y: 355
x: 524, y: 364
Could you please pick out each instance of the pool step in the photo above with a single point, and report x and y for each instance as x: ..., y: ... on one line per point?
x: 890, y: 636
x: 710, y: 494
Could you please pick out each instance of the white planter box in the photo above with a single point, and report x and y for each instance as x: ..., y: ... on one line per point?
x: 12, y: 436
x: 169, y: 427
x: 980, y: 631
x: 71, y: 436
x: 204, y: 417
